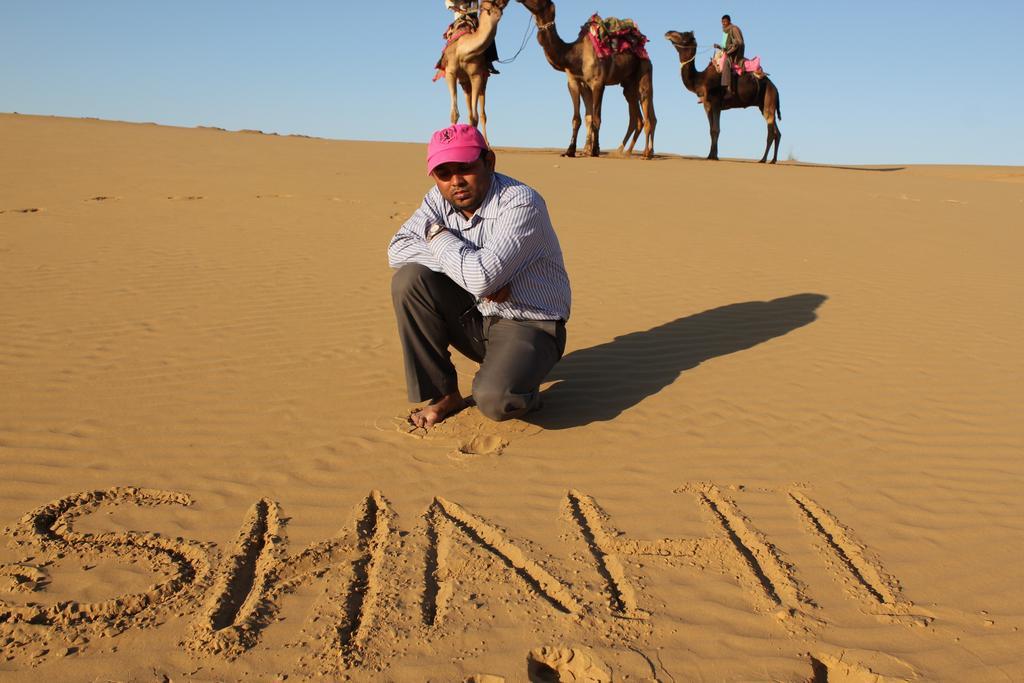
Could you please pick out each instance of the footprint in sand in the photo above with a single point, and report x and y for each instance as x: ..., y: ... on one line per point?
x: 482, y: 444
x: 844, y: 670
x: 185, y: 198
x: 29, y: 210
x: 24, y: 578
x: 101, y: 198
x: 562, y: 665
x: 469, y: 434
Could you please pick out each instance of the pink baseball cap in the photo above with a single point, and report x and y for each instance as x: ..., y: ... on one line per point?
x: 460, y: 143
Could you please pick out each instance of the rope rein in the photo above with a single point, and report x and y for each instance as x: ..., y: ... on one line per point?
x: 522, y: 45
x: 695, y: 53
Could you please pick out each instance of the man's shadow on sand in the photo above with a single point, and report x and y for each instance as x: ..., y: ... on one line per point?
x: 599, y: 383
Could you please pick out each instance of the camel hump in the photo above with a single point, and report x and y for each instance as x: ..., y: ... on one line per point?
x: 463, y: 26
x: 611, y: 36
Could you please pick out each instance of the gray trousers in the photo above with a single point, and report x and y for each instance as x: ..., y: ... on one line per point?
x: 434, y: 314
x: 736, y: 57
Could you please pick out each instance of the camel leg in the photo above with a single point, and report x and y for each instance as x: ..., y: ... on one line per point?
x: 588, y: 116
x: 714, y: 117
x: 774, y: 134
x: 766, y: 112
x: 574, y: 95
x: 474, y: 97
x: 776, y: 115
x: 597, y: 95
x: 774, y: 127
x: 453, y: 91
x: 482, y: 110
x: 635, y: 119
x: 770, y: 121
x: 643, y: 122
x: 639, y: 126
x: 778, y: 138
x: 470, y: 90
x: 650, y: 120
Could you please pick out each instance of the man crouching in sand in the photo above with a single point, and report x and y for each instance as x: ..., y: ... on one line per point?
x: 480, y: 270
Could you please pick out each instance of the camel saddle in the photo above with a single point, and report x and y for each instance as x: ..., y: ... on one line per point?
x: 610, y: 36
x: 467, y: 23
x: 749, y: 66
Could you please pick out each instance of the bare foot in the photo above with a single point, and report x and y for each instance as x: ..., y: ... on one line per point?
x: 437, y: 411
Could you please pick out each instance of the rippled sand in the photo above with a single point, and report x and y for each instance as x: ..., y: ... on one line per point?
x: 784, y: 443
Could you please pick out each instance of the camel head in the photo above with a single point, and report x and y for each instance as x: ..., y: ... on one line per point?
x: 536, y: 7
x: 685, y: 43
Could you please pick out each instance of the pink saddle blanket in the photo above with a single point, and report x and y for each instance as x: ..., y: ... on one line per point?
x: 751, y: 66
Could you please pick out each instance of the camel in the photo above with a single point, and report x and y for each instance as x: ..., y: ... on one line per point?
x: 750, y: 92
x: 588, y: 74
x: 464, y: 64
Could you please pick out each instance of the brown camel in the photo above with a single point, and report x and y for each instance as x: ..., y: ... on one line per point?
x: 464, y: 64
x: 750, y: 92
x: 588, y: 74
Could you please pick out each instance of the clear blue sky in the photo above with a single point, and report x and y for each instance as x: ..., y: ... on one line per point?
x: 860, y: 82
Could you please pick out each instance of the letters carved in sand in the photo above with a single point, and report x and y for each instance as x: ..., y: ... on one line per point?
x: 368, y: 571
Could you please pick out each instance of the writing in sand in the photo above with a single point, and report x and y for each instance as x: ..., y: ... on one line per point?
x: 376, y: 579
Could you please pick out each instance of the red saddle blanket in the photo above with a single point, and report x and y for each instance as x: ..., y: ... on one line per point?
x: 611, y: 36
x: 455, y: 30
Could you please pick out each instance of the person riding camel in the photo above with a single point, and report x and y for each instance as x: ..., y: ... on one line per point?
x: 465, y: 12
x: 732, y: 53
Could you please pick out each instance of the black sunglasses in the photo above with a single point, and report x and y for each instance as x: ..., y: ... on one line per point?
x: 445, y: 172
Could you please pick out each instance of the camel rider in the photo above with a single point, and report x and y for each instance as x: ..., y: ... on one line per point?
x: 732, y: 52
x: 466, y: 11
x: 462, y: 8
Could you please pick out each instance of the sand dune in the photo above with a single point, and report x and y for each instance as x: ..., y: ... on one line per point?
x: 784, y: 443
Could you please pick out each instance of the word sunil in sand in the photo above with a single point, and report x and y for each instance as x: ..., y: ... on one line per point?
x: 369, y: 570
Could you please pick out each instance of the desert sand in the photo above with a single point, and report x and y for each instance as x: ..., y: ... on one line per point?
x: 784, y: 443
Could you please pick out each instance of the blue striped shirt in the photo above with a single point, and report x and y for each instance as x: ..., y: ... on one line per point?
x: 509, y: 240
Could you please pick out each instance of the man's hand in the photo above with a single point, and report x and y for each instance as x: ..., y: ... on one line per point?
x: 499, y: 297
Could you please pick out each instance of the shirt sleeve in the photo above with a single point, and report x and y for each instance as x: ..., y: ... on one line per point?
x: 409, y: 245
x: 516, y: 241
